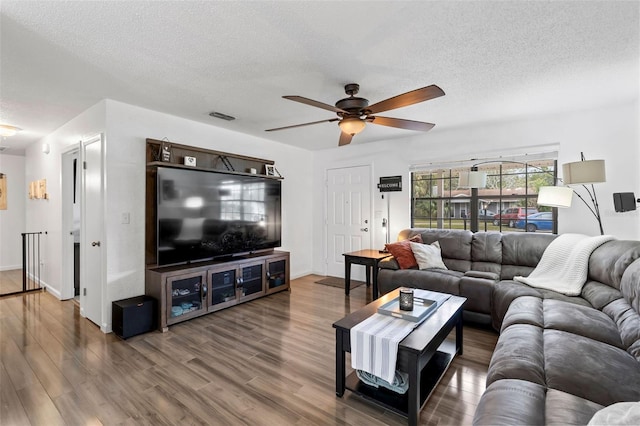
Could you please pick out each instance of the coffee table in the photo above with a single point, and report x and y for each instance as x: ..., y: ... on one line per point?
x: 424, y: 354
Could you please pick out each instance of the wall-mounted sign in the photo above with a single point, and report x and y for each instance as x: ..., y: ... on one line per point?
x: 390, y: 183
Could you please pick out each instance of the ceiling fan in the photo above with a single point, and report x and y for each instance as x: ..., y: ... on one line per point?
x: 354, y: 112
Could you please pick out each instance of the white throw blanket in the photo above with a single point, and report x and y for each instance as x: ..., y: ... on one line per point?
x: 565, y: 264
x: 374, y: 341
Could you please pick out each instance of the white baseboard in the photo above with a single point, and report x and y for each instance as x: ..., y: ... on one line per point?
x: 10, y: 267
x: 53, y: 291
x: 300, y: 274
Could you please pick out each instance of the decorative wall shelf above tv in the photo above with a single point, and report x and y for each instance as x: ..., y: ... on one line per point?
x: 205, y: 159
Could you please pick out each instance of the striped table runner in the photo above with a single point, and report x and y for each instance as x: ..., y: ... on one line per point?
x: 374, y: 341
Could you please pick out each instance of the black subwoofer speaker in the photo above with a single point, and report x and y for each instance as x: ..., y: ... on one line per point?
x: 624, y: 201
x: 133, y: 316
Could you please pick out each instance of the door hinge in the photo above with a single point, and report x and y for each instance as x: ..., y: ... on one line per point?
x: 84, y: 165
x: 84, y: 291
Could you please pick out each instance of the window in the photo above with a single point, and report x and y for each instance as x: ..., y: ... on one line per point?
x: 508, y: 202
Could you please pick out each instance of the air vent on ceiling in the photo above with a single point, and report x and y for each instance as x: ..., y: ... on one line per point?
x: 221, y: 116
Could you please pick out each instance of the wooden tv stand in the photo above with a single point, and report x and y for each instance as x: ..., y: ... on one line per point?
x: 189, y: 291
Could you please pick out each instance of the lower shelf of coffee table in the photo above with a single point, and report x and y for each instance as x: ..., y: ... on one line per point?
x: 399, y: 403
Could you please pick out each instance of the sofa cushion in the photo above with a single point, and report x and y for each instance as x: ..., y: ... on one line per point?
x: 428, y: 255
x: 478, y: 291
x: 589, y: 369
x: 581, y: 320
x: 522, y: 252
x: 608, y: 263
x: 505, y: 292
x: 599, y: 295
x: 519, y: 354
x: 487, y: 247
x: 525, y: 310
x: 629, y: 285
x: 627, y: 321
x: 513, y: 402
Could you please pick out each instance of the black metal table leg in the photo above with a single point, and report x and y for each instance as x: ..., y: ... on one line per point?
x: 340, y: 368
x: 347, y: 275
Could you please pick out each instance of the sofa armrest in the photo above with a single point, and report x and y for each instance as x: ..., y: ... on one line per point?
x: 389, y: 263
x: 484, y: 275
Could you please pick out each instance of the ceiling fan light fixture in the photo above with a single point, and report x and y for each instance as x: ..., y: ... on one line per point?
x: 351, y: 125
x: 8, y: 130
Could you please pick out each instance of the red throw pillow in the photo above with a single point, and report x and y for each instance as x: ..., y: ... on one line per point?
x: 403, y: 253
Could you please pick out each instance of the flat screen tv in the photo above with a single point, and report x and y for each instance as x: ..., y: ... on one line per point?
x: 204, y: 215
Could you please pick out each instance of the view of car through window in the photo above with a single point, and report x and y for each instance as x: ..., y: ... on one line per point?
x: 507, y: 203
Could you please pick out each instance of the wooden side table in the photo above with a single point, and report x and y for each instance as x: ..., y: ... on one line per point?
x: 370, y: 259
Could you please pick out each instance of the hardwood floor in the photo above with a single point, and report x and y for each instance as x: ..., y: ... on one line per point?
x: 10, y: 281
x: 266, y: 362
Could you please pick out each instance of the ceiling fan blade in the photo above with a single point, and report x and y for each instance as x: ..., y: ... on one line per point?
x: 345, y: 139
x: 402, y: 124
x: 406, y: 99
x: 316, y: 104
x: 304, y: 124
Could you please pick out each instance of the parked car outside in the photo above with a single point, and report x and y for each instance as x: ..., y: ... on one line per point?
x: 537, y: 221
x: 484, y: 214
x: 511, y: 215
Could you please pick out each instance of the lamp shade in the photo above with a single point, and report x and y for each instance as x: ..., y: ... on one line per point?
x: 351, y: 126
x: 581, y: 172
x: 472, y: 179
x: 555, y: 196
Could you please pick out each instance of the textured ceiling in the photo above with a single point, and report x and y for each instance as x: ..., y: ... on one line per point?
x: 495, y: 61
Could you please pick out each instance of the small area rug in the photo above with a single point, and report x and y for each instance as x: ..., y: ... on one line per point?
x: 339, y: 282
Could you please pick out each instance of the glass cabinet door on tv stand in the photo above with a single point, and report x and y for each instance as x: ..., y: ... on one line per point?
x: 277, y: 273
x: 186, y: 296
x: 236, y: 282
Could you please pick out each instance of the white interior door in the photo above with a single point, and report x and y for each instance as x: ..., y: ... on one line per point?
x: 92, y: 247
x: 348, y: 216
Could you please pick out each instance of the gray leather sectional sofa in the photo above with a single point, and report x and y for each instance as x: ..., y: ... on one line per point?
x: 559, y: 359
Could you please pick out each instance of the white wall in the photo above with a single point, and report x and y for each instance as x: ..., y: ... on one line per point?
x: 12, y: 222
x: 128, y: 127
x: 608, y: 133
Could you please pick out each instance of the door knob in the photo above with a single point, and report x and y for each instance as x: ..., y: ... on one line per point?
x: 364, y: 229
x: 95, y: 244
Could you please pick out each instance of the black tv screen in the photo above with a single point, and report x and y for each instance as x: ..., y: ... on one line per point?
x: 203, y: 215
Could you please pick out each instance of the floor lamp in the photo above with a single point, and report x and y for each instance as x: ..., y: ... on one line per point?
x: 583, y: 172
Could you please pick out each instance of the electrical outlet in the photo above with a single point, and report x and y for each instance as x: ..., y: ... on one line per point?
x: 125, y: 219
